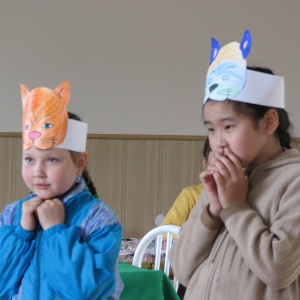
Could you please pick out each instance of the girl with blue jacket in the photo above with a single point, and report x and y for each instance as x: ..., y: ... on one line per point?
x: 60, y: 242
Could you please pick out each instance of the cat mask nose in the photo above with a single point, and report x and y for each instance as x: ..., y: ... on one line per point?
x: 34, y: 135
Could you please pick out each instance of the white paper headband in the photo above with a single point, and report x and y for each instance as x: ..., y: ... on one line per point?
x: 76, y: 136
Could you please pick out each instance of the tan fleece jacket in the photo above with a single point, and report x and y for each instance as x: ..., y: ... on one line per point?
x: 253, y: 251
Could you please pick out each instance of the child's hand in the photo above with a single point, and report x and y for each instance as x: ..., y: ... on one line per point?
x: 231, y: 183
x: 28, y: 219
x: 210, y: 187
x: 51, y: 213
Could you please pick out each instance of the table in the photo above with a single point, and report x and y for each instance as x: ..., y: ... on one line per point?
x: 145, y: 284
x: 129, y: 246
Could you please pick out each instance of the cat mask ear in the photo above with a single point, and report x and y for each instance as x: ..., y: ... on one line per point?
x: 24, y: 94
x: 45, y: 120
x: 63, y: 90
x: 228, y: 78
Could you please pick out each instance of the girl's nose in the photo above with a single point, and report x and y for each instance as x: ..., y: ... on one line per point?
x: 220, y: 143
x: 39, y: 170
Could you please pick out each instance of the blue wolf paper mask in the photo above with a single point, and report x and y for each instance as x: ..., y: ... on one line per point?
x: 228, y: 77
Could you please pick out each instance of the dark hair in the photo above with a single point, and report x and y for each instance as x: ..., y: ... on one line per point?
x: 257, y: 112
x: 206, y: 149
x: 85, y: 173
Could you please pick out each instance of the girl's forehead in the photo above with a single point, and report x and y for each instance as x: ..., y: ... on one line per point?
x: 212, y: 104
x: 218, y: 109
x: 42, y: 152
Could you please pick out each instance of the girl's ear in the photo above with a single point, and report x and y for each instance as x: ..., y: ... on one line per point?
x: 204, y: 162
x: 82, y: 161
x: 270, y: 121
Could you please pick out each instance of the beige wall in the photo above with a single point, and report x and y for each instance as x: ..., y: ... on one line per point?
x: 138, y: 66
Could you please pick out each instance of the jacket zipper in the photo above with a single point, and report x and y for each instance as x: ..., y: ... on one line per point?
x: 38, y: 262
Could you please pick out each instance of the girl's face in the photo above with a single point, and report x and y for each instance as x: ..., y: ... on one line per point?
x: 209, y: 161
x: 229, y: 129
x: 49, y: 173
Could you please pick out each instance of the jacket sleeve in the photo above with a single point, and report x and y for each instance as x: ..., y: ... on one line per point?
x: 196, y: 239
x: 270, y: 249
x: 182, y: 206
x: 82, y: 269
x: 16, y: 252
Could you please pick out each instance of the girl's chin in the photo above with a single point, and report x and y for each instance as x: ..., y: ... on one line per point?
x: 45, y: 196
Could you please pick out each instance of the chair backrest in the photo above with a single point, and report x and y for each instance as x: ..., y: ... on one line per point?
x: 171, y: 232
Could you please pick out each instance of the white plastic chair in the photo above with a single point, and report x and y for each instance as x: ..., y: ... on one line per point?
x: 171, y: 231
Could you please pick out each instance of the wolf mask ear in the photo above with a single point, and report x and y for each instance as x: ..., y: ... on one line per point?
x: 215, y: 48
x: 246, y: 43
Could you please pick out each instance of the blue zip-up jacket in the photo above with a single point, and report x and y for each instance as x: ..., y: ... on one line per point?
x: 75, y: 260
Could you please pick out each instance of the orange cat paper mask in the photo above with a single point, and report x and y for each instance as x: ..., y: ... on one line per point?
x: 45, y: 120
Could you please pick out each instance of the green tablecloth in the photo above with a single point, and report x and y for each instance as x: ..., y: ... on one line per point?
x: 145, y: 284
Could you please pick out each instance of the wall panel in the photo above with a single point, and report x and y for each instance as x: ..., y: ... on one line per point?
x: 140, y: 178
x: 177, y: 169
x: 105, y: 165
x: 141, y: 186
